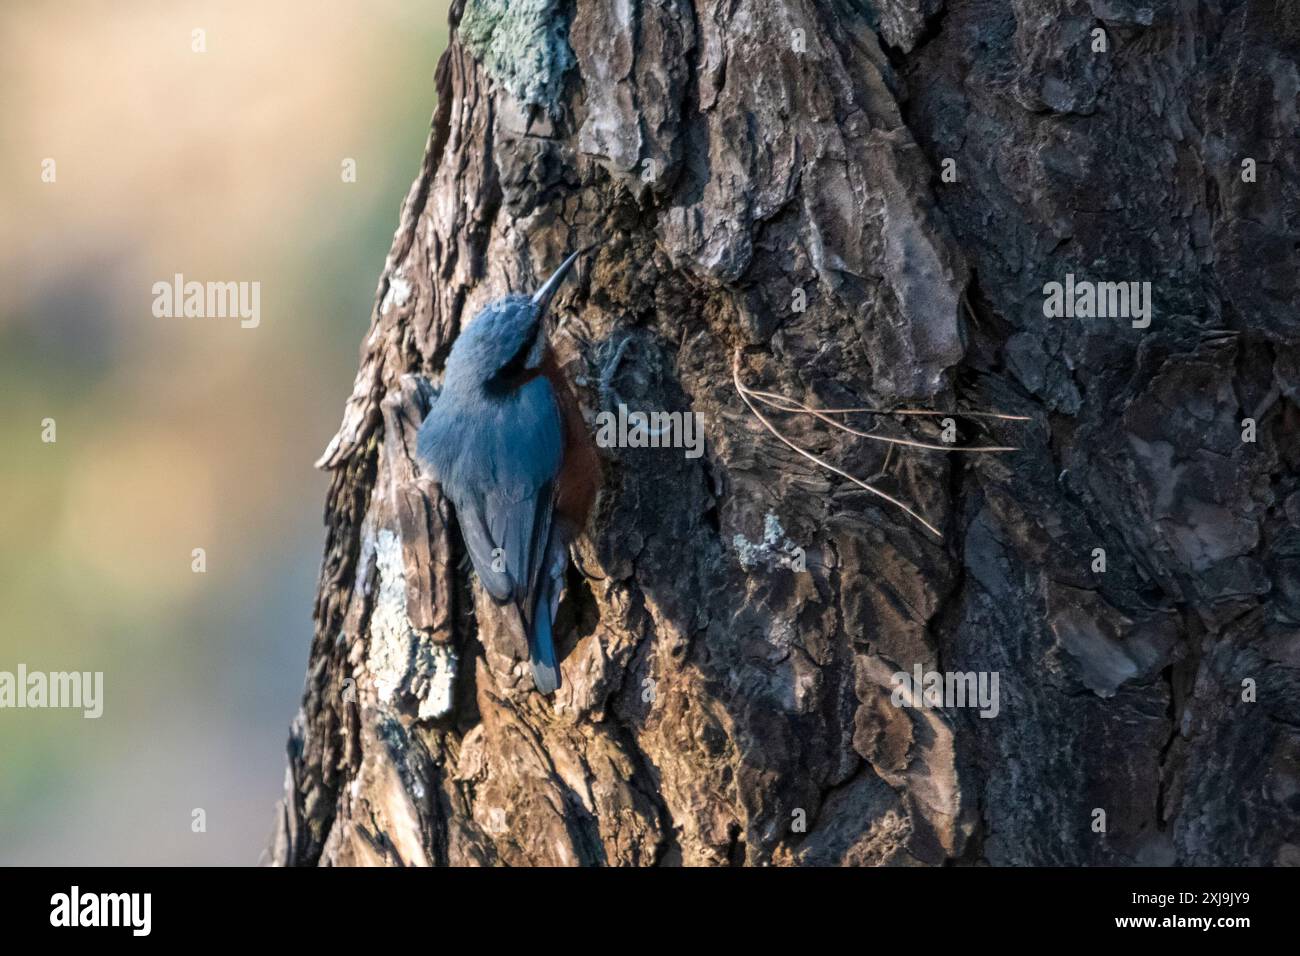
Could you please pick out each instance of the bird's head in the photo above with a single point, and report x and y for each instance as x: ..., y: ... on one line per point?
x: 505, y: 343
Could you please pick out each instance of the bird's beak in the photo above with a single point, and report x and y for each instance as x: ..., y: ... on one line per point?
x: 542, y: 298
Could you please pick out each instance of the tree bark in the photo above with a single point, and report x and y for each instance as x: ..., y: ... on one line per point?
x: 729, y: 649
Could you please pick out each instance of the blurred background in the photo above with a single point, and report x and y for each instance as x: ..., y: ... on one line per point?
x: 180, y: 433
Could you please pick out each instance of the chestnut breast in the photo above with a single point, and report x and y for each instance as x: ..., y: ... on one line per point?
x: 580, y: 472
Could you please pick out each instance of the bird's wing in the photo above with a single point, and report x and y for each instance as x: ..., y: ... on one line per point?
x: 521, y: 529
x: 450, y: 446
x: 478, y: 541
x: 506, y: 489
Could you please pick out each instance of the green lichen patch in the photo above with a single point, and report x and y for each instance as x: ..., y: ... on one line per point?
x: 522, y: 44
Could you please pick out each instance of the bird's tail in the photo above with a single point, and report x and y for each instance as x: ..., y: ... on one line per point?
x: 541, y: 634
x: 541, y: 648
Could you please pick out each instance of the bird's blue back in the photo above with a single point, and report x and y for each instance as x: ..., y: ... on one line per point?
x: 495, y: 443
x: 497, y: 457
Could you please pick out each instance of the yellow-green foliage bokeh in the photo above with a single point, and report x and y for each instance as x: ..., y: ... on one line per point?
x: 175, y: 434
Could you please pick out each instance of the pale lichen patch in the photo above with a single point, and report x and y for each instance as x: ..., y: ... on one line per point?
x: 522, y: 44
x: 399, y: 293
x: 403, y: 660
x: 774, y: 550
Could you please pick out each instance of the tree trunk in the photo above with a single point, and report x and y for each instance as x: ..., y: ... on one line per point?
x: 768, y: 183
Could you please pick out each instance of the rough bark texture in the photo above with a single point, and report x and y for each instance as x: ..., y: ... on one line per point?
x: 714, y: 694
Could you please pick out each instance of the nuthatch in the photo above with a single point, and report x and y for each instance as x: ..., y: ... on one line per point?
x: 506, y: 441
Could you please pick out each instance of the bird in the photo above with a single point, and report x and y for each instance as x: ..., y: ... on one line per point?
x: 506, y: 442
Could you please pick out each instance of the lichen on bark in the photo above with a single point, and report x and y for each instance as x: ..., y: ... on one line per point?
x: 522, y: 44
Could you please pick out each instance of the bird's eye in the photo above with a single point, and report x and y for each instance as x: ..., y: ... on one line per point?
x: 516, y: 371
